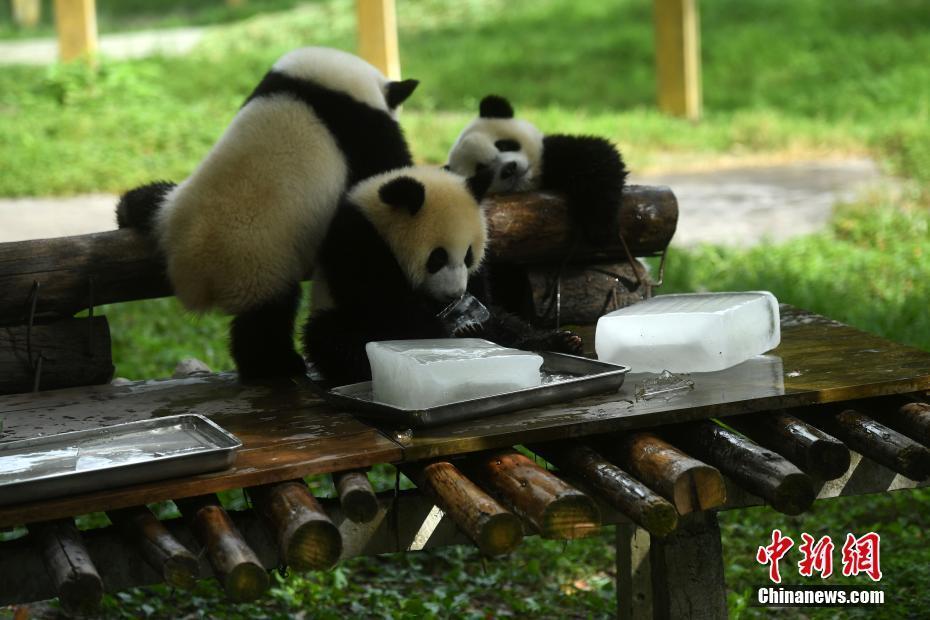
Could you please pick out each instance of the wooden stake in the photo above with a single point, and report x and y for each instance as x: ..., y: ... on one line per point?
x: 158, y: 546
x: 760, y: 471
x: 307, y: 538
x: 554, y: 508
x: 615, y: 486
x: 235, y: 564
x: 875, y: 441
x: 685, y: 481
x: 76, y: 22
x: 678, y: 57
x: 904, y: 415
x: 357, y: 497
x: 69, y: 565
x: 377, y: 35
x: 492, y: 527
x: 812, y: 450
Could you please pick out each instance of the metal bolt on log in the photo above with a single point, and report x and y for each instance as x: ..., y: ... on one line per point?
x: 160, y: 549
x: 492, y: 527
x: 69, y: 565
x: 306, y: 537
x: 356, y: 495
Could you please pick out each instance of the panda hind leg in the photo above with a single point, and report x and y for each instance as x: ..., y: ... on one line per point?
x: 262, y: 339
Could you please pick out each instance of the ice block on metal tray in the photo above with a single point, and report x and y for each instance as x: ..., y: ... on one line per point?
x: 698, y: 332
x: 415, y: 374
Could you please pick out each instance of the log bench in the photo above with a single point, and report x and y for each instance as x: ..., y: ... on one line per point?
x: 782, y: 430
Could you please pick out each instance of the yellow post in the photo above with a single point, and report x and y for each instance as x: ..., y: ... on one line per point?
x: 26, y: 13
x: 678, y: 57
x: 377, y: 35
x: 76, y: 23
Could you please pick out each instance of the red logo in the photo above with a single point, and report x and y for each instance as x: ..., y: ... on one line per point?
x: 774, y: 552
x: 860, y: 555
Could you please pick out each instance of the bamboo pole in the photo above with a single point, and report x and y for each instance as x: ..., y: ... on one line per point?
x: 160, y: 549
x: 76, y: 580
x: 356, y: 495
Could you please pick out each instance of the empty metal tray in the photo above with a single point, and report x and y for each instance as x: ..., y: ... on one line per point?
x: 80, y: 461
x: 564, y: 377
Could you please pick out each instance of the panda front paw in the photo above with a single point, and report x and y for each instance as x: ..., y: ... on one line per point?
x: 561, y: 341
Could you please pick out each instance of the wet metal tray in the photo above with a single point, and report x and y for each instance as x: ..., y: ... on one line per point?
x: 80, y: 461
x: 564, y: 378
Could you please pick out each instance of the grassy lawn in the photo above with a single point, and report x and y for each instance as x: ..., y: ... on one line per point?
x: 782, y: 80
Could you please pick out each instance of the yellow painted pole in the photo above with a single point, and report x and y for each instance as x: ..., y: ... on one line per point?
x: 377, y: 35
x: 76, y: 23
x: 678, y: 57
x: 26, y: 13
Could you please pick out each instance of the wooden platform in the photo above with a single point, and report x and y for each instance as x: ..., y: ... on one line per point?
x: 288, y: 432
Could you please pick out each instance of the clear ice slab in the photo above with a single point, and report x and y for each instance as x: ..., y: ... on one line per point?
x: 416, y: 374
x: 694, y: 332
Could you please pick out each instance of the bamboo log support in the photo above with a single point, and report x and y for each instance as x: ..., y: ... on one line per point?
x: 808, y: 447
x: 615, y: 486
x: 160, y: 549
x: 758, y: 470
x: 903, y: 414
x: 876, y: 441
x: 553, y: 507
x: 689, y: 484
x: 492, y: 527
x: 235, y: 564
x: 306, y: 537
x: 356, y: 495
x: 76, y: 580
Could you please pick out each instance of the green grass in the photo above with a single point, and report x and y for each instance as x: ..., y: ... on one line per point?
x: 782, y: 80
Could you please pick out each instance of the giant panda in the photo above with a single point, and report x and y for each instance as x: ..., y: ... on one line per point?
x: 242, y: 231
x: 400, y: 248
x: 588, y: 170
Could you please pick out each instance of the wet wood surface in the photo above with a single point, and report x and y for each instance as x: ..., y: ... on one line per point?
x: 288, y: 432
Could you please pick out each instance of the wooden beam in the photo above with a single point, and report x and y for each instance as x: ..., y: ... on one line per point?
x: 76, y: 23
x: 377, y: 35
x: 678, y: 57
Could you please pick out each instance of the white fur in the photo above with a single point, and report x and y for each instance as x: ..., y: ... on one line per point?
x: 475, y: 145
x: 247, y: 224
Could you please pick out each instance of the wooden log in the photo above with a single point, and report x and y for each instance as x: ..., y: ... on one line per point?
x: 377, y: 35
x: 874, y: 440
x: 236, y: 566
x: 307, y: 538
x: 812, y: 450
x: 157, y: 545
x: 678, y: 57
x: 615, y: 486
x: 76, y: 580
x: 73, y: 352
x: 358, y: 499
x: 686, y: 482
x: 122, y: 265
x: 26, y: 13
x: 553, y: 507
x: 758, y: 470
x: 492, y: 527
x: 76, y: 23
x: 903, y: 414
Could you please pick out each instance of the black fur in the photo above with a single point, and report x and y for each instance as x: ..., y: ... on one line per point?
x: 403, y: 193
x: 371, y: 141
x: 495, y: 106
x: 591, y: 174
x: 137, y: 207
x: 262, y: 339
x: 507, y: 145
x: 479, y: 183
x: 398, y: 92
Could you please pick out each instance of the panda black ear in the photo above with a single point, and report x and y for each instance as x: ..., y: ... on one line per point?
x: 403, y: 193
x: 480, y: 182
x: 397, y: 92
x: 495, y: 106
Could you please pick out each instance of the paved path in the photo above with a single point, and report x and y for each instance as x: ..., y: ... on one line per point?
x: 737, y: 207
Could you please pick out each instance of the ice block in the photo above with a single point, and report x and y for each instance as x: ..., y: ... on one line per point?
x: 415, y: 374
x: 698, y: 332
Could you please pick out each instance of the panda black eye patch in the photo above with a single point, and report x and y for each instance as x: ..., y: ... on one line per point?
x: 437, y: 260
x: 507, y: 145
x: 469, y: 257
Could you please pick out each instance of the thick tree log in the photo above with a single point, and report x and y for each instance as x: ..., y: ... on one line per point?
x: 73, y: 352
x: 358, y: 499
x: 618, y: 488
x: 756, y: 469
x: 307, y: 538
x: 874, y: 440
x: 157, y: 545
x: 234, y: 563
x: 554, y: 508
x: 492, y: 527
x: 903, y: 414
x: 76, y: 580
x: 102, y: 268
x: 812, y: 450
x: 685, y: 481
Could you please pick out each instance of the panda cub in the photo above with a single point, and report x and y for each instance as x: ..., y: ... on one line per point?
x: 588, y: 170
x: 242, y: 231
x: 401, y: 247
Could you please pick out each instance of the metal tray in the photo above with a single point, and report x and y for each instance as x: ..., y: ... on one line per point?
x: 80, y: 461
x: 565, y: 377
